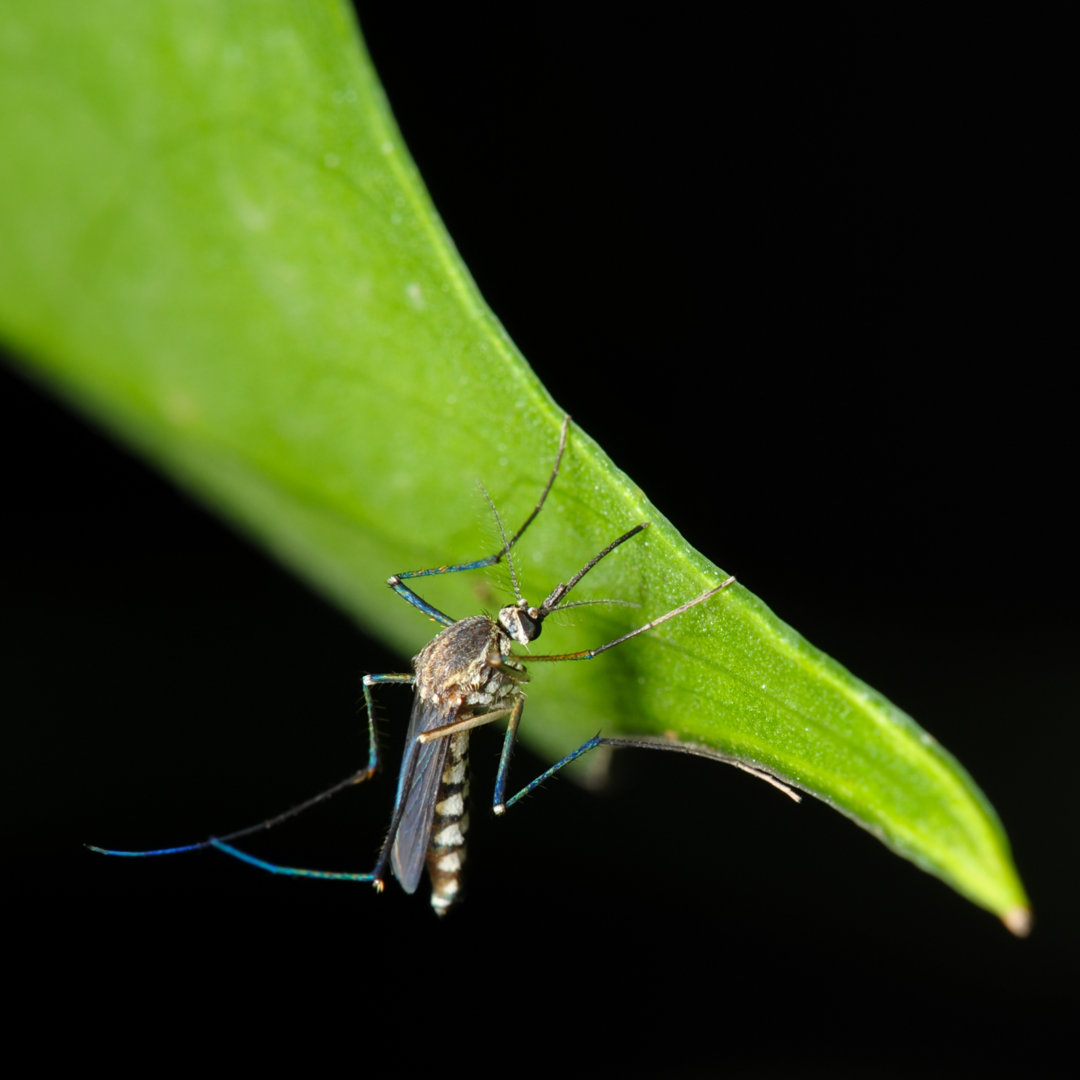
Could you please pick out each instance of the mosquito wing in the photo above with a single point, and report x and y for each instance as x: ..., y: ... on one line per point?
x: 414, y: 830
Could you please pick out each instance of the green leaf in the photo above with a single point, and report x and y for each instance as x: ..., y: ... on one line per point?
x: 215, y: 243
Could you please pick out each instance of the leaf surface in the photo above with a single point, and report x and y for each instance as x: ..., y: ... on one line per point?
x: 214, y: 243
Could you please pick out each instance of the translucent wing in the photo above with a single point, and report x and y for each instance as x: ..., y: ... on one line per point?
x: 414, y: 831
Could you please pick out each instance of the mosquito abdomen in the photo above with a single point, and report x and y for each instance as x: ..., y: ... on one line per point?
x: 449, y: 827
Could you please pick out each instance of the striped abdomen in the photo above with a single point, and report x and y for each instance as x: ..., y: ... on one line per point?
x: 446, y: 850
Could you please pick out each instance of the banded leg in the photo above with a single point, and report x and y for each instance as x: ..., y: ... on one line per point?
x: 221, y: 843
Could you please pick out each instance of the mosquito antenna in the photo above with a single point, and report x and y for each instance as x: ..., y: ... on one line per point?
x: 502, y: 532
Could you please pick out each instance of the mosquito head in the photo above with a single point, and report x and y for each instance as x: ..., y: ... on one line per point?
x: 522, y: 622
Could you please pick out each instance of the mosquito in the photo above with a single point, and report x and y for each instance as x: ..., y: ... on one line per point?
x: 467, y: 676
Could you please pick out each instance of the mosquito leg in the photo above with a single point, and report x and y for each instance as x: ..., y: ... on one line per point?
x: 397, y: 581
x: 222, y: 842
x: 657, y: 742
x: 369, y: 708
x: 499, y: 806
x: 269, y: 823
x: 475, y: 721
x: 554, y: 599
x: 588, y: 654
x: 641, y: 742
x: 377, y: 875
x: 293, y: 871
x: 509, y: 741
x: 397, y: 584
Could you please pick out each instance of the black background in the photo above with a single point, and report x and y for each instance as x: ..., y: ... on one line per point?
x: 834, y: 247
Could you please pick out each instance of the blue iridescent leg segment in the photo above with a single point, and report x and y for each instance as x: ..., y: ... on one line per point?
x: 377, y: 875
x: 500, y: 803
x: 638, y: 742
x: 397, y: 581
x: 222, y: 842
x: 292, y: 871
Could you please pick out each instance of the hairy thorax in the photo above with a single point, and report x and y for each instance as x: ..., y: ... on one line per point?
x: 466, y: 665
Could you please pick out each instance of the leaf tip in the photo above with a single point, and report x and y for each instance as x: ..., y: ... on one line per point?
x: 1017, y: 920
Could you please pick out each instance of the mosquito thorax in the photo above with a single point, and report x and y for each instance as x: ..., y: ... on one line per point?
x: 521, y: 622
